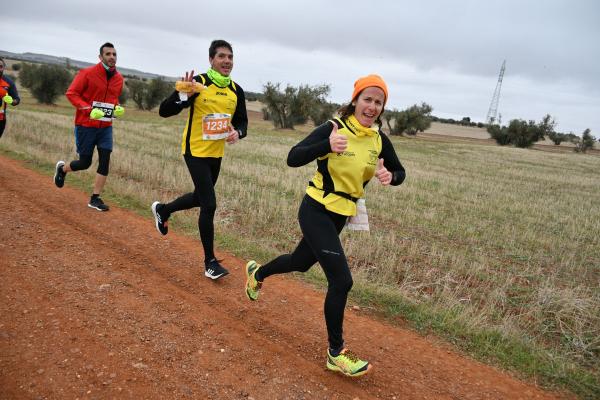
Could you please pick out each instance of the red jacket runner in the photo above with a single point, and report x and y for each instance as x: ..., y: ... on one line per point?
x: 92, y: 85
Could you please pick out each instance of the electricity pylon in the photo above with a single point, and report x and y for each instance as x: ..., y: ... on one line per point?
x: 491, y: 115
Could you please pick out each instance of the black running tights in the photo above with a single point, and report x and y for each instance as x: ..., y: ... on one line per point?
x: 320, y: 242
x: 85, y: 161
x: 204, y: 172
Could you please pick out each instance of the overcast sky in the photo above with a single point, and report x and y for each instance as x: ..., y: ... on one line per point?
x: 445, y: 53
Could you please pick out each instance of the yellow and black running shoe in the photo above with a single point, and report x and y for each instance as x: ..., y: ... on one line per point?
x: 252, y: 285
x: 347, y: 363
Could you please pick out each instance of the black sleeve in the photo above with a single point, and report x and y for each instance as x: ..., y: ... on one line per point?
x: 172, y: 105
x: 240, y: 116
x: 391, y: 161
x: 311, y: 147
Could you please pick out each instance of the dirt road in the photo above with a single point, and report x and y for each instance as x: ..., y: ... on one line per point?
x: 100, y: 306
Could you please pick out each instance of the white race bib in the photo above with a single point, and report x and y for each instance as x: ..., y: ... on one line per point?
x: 107, y: 108
x: 215, y: 126
x: 359, y: 222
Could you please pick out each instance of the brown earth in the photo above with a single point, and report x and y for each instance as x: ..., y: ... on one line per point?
x: 100, y: 306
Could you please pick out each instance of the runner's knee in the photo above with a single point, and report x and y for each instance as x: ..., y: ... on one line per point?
x: 340, y: 281
x: 207, y: 203
x: 103, y: 161
x: 83, y: 163
x: 208, y: 209
x: 341, y: 286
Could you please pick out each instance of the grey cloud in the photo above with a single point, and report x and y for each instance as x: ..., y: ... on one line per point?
x: 430, y: 49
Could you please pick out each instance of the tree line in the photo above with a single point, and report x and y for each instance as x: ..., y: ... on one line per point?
x: 289, y: 106
x: 524, y: 134
x: 48, y: 82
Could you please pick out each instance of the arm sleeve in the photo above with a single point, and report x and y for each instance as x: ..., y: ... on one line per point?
x: 391, y: 161
x: 173, y: 105
x: 311, y: 147
x: 240, y: 116
x: 13, y: 92
x: 75, y: 90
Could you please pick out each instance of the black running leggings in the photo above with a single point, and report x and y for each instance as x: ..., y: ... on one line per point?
x: 320, y: 242
x: 204, y: 172
x: 85, y: 161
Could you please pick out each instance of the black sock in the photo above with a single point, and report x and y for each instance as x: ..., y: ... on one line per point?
x: 335, y: 353
x: 257, y: 276
x: 206, y: 262
x: 95, y: 196
x: 160, y: 209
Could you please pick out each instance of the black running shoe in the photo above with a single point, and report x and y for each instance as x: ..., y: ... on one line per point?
x: 98, y: 204
x: 162, y: 223
x: 214, y: 270
x: 59, y: 174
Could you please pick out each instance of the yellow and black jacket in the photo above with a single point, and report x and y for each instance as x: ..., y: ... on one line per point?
x: 340, y: 178
x: 212, y: 100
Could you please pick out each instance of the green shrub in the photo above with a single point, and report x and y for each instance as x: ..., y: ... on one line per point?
x: 45, y: 82
x: 585, y: 143
x: 295, y: 105
x: 521, y: 133
x: 147, y: 95
x: 416, y: 118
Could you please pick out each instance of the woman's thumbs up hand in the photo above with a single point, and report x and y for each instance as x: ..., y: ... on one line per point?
x: 337, y: 142
x: 384, y: 176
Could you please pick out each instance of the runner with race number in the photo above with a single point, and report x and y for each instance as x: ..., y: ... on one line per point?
x: 217, y: 115
x: 95, y: 94
x: 349, y: 151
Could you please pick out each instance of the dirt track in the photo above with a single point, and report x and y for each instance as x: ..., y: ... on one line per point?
x: 100, y: 306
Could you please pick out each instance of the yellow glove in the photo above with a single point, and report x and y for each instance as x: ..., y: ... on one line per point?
x: 189, y: 87
x: 119, y: 111
x: 7, y: 99
x: 96, y: 113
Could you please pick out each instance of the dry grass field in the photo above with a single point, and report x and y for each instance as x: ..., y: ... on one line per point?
x: 438, y: 128
x: 495, y: 249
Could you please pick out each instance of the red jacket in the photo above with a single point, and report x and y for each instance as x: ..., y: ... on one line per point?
x: 7, y: 87
x: 91, y: 84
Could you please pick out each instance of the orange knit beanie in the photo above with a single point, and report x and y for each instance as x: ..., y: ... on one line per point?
x: 367, y: 81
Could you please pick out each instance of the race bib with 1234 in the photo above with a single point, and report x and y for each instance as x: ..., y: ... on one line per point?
x: 215, y: 126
